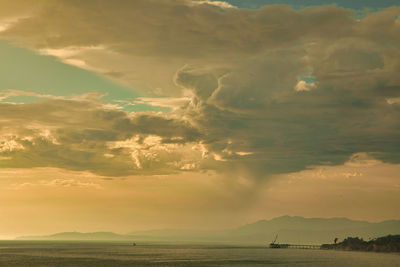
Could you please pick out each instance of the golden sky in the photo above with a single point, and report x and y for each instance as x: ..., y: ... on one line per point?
x: 130, y: 115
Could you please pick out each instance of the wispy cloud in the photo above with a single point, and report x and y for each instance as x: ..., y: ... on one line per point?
x: 62, y: 183
x: 221, y: 4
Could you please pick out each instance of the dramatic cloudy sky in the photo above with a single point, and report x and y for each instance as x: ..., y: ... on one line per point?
x: 127, y: 115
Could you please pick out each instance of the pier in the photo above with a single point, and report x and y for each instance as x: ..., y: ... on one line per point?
x: 276, y: 245
x: 304, y: 246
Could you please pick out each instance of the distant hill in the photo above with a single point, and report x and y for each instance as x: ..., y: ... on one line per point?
x: 290, y: 229
x: 79, y: 236
x: 295, y: 229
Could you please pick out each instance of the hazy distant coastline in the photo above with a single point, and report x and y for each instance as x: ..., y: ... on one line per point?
x: 290, y: 229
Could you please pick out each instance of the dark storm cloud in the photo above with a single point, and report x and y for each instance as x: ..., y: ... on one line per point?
x: 272, y: 90
x: 353, y: 4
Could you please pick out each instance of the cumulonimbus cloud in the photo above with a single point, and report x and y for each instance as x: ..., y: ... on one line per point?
x: 272, y: 90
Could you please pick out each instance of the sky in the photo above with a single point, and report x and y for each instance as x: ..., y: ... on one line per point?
x: 134, y: 115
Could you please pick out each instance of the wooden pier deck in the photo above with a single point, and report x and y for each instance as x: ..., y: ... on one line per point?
x: 304, y: 246
x: 294, y: 246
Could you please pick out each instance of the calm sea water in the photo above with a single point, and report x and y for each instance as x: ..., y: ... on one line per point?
x: 28, y: 253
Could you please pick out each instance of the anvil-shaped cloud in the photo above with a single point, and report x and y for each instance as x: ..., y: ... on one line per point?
x: 255, y: 92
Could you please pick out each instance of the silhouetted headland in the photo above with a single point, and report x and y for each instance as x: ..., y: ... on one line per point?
x: 390, y: 243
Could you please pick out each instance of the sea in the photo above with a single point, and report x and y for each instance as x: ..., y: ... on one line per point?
x: 63, y: 253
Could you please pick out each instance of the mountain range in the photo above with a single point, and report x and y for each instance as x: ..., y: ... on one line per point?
x: 289, y: 229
